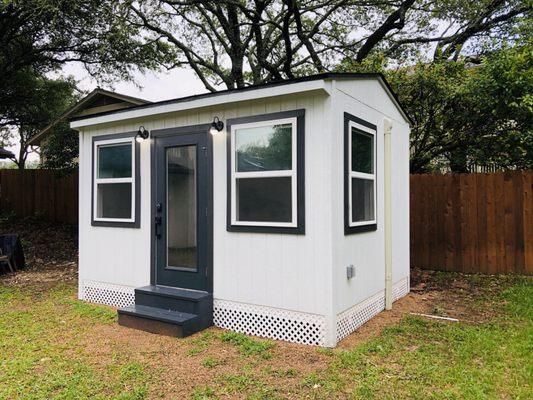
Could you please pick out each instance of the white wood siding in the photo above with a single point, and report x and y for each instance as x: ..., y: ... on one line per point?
x: 303, y: 273
x: 366, y: 251
x: 277, y: 270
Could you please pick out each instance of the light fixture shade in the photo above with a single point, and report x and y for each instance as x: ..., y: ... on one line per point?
x: 213, y: 130
x: 142, y: 134
x: 216, y: 126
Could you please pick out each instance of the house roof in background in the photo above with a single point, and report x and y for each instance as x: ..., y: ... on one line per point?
x: 172, y: 104
x: 5, y: 153
x: 98, y: 101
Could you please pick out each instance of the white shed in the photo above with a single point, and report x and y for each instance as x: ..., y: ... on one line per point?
x: 279, y: 210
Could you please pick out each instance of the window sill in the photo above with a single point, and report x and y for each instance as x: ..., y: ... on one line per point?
x: 116, y: 224
x: 267, y: 229
x: 348, y: 230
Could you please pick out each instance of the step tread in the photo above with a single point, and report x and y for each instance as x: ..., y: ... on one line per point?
x: 158, y: 314
x: 177, y: 293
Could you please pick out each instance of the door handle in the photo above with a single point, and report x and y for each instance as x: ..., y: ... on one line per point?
x: 157, y: 225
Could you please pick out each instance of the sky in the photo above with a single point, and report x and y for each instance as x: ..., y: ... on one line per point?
x: 153, y: 87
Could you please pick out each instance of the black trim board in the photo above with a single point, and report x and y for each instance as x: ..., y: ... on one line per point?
x: 137, y: 177
x: 327, y: 75
x: 300, y: 172
x: 347, y: 165
x: 183, y: 130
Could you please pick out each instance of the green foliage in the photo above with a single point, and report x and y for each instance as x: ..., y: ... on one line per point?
x: 466, y: 114
x: 60, y: 150
x: 36, y: 102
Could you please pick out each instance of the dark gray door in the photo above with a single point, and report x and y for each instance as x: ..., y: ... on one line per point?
x: 181, y: 211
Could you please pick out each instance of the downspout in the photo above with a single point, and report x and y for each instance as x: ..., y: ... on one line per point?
x: 387, y: 130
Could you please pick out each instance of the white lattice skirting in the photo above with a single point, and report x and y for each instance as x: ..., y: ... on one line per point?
x: 107, y: 293
x: 351, y: 319
x: 270, y: 322
x: 261, y: 321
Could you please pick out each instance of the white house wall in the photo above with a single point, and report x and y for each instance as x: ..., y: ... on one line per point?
x: 274, y: 272
x: 358, y: 299
x: 262, y: 279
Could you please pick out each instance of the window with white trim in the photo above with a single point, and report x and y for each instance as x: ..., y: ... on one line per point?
x: 114, y: 180
x: 361, y: 174
x: 263, y: 172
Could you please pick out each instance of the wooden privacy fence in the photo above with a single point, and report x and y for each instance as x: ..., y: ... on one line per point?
x: 39, y: 192
x: 466, y: 222
x: 473, y: 222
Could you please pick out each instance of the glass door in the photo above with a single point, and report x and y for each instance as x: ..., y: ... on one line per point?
x: 180, y: 224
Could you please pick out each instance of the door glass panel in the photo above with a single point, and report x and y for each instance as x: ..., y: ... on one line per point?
x: 182, y: 250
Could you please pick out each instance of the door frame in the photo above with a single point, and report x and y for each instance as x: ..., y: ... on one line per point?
x: 182, y: 130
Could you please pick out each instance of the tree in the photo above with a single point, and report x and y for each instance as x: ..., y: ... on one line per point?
x: 469, y: 114
x: 241, y: 42
x: 43, y: 35
x: 38, y: 102
x: 60, y: 151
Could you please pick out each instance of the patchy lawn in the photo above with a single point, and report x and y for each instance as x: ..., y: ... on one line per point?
x: 53, y: 346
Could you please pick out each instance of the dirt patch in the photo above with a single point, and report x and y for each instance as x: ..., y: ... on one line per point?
x: 51, y: 252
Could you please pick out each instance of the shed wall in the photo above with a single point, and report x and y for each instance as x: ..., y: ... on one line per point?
x: 366, y: 251
x: 281, y: 271
x: 267, y: 278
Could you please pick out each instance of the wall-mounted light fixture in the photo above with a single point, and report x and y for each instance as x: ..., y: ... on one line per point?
x: 142, y: 134
x: 216, y: 126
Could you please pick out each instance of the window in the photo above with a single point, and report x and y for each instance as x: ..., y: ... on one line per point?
x: 360, y: 175
x: 115, y: 181
x: 265, y: 173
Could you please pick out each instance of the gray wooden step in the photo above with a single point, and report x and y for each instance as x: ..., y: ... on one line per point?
x: 163, y: 321
x: 176, y: 299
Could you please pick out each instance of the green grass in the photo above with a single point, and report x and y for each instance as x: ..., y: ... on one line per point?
x: 40, y: 352
x: 42, y: 355
x: 426, y: 359
x: 248, y: 346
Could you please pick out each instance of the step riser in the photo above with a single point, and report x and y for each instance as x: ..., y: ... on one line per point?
x: 150, y: 325
x: 168, y: 303
x: 165, y: 328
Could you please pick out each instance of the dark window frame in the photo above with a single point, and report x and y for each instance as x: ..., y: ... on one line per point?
x: 371, y: 226
x: 136, y: 223
x: 300, y: 173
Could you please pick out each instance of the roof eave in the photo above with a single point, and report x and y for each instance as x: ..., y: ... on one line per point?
x: 203, y: 101
x: 36, y: 140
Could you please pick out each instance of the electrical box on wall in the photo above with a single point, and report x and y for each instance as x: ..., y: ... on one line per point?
x: 350, y: 271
